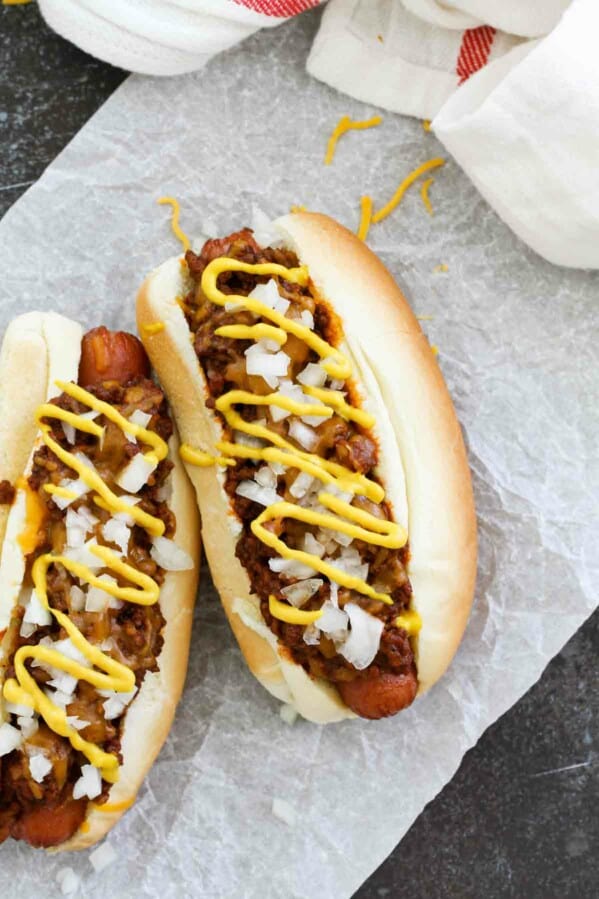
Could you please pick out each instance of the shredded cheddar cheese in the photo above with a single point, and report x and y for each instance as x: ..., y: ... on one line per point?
x: 15, y: 2
x: 426, y: 124
x: 434, y: 349
x: 345, y: 124
x: 424, y: 189
x: 170, y: 201
x: 153, y: 328
x: 403, y: 187
x: 365, y: 216
x: 297, y: 208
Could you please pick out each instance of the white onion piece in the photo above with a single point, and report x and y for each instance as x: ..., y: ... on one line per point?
x: 312, y: 545
x: 67, y: 880
x: 303, y: 434
x: 266, y: 477
x: 313, y: 375
x: 116, y: 703
x: 39, y: 766
x: 129, y: 500
x: 63, y: 682
x: 299, y: 594
x: 269, y: 295
x: 269, y: 366
x: 35, y: 613
x: 140, y: 418
x: 77, y: 526
x: 62, y: 700
x: 363, y: 641
x: 307, y: 319
x: 264, y: 229
x: 350, y: 561
x: 98, y: 600
x: 169, y: 556
x: 115, y: 531
x: 288, y: 714
x: 77, y: 723
x: 28, y: 726
x: 86, y: 515
x: 265, y: 496
x: 301, y: 484
x: 77, y: 486
x: 136, y: 473
x: 69, y: 432
x: 248, y: 440
x: 333, y: 620
x: 103, y: 856
x: 336, y: 384
x: 18, y: 709
x: 89, y: 784
x: 76, y: 598
x: 83, y: 555
x: 68, y: 649
x: 286, y: 388
x: 290, y: 568
x: 26, y: 630
x: 334, y: 593
x: 277, y: 468
x: 311, y: 635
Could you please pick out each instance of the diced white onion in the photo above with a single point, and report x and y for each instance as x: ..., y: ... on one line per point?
x: 334, y: 593
x: 277, y: 468
x: 265, y: 496
x: 26, y: 630
x: 76, y: 598
x: 76, y: 486
x: 83, y: 555
x: 303, y: 434
x: 136, y: 473
x: 301, y: 484
x: 77, y: 723
x: 270, y: 366
x: 103, y: 856
x: 334, y: 621
x: 312, y: 545
x: 89, y: 784
x: 140, y: 418
x: 311, y: 635
x: 16, y: 708
x: 129, y: 501
x: 28, y: 726
x: 269, y: 295
x: 307, y: 319
x: 169, y: 556
x: 299, y: 594
x: 286, y: 388
x: 63, y: 682
x: 290, y: 568
x: 351, y: 563
x: 313, y: 375
x: 69, y: 432
x: 363, y: 641
x: 39, y: 766
x: 336, y: 384
x: 116, y: 531
x: 62, y: 700
x: 116, y: 703
x: 248, y: 440
x: 10, y: 738
x: 68, y: 649
x: 77, y: 527
x: 36, y: 613
x: 67, y: 880
x: 266, y: 477
x: 283, y: 811
x: 264, y: 230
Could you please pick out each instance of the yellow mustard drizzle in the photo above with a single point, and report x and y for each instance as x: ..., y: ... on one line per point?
x: 252, y: 332
x: 347, y: 519
x: 410, y: 621
x: 112, y: 675
x: 110, y: 807
x: 153, y: 328
x: 201, y: 458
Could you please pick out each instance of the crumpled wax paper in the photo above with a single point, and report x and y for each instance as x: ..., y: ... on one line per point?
x: 518, y: 351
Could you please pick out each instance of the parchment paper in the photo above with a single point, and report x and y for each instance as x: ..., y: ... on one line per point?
x: 518, y: 350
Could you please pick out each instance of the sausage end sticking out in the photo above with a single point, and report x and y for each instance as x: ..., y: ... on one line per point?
x: 111, y: 356
x: 379, y: 696
x: 50, y: 825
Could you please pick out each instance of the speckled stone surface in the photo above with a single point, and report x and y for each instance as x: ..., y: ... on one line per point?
x: 521, y: 817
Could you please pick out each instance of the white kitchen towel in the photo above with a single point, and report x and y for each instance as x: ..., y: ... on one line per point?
x: 163, y: 37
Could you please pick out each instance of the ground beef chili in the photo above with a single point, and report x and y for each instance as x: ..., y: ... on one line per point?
x: 7, y: 493
x: 45, y: 813
x: 223, y: 362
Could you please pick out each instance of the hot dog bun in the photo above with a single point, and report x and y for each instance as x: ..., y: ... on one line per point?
x: 51, y: 344
x: 423, y: 464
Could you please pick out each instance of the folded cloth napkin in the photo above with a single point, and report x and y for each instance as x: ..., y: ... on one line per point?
x: 512, y: 86
x: 520, y: 116
x: 164, y: 37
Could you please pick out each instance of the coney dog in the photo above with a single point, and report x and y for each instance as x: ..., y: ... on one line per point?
x: 98, y: 575
x: 336, y: 500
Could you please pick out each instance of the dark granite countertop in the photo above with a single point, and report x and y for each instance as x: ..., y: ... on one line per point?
x: 521, y: 816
